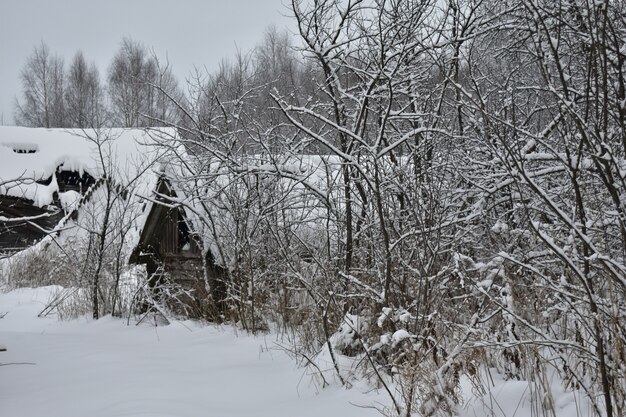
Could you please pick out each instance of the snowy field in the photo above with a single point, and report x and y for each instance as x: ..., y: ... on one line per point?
x: 105, y: 368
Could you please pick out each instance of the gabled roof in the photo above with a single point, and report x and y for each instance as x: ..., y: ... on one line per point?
x: 30, y: 158
x: 205, y: 188
x: 36, y: 165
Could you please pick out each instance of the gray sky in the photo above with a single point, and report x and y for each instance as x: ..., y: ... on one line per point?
x: 190, y: 32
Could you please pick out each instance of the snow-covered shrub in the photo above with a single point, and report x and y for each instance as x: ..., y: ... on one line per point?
x: 346, y: 340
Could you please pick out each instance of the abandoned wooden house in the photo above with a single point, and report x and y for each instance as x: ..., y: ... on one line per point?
x: 48, y: 175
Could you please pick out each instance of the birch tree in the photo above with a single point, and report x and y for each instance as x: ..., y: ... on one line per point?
x: 84, y: 96
x: 139, y: 87
x: 42, y: 80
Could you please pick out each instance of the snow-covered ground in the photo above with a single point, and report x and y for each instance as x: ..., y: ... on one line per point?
x: 105, y: 368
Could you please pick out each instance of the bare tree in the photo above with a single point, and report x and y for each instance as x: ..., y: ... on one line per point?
x: 84, y: 96
x: 139, y: 87
x: 42, y: 88
x: 548, y: 116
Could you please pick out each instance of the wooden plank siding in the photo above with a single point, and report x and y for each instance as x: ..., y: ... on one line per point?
x: 18, y: 235
x: 169, y: 234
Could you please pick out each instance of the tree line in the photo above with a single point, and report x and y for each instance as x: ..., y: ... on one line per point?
x: 139, y: 89
x: 53, y: 96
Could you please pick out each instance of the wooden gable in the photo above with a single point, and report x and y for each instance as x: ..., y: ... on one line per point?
x: 166, y: 232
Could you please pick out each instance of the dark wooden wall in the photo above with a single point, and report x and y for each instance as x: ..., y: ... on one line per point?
x: 15, y: 236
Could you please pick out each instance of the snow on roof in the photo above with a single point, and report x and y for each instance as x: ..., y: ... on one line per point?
x: 305, y: 185
x: 29, y: 155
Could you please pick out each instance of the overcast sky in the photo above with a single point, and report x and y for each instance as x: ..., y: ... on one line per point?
x: 190, y: 32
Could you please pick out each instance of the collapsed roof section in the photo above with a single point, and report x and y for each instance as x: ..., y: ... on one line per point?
x: 36, y: 163
x: 46, y: 174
